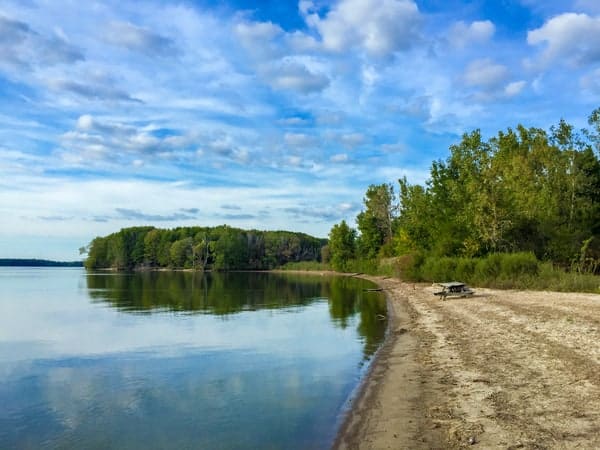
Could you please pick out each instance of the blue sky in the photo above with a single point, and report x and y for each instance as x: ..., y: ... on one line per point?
x: 268, y: 115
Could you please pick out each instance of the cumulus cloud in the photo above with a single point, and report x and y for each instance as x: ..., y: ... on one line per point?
x: 257, y: 31
x: 462, y: 34
x: 296, y: 77
x: 379, y: 27
x: 95, y: 139
x: 132, y: 37
x: 259, y: 38
x: 339, y: 158
x: 294, y: 161
x: 568, y: 37
x: 514, y: 88
x: 485, y: 73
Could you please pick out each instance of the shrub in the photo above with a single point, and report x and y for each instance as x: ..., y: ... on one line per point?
x: 465, y: 270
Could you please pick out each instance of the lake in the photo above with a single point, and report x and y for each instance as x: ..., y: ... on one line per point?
x: 180, y: 360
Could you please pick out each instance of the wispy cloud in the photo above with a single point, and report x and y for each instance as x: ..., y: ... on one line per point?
x: 133, y: 214
x: 139, y: 39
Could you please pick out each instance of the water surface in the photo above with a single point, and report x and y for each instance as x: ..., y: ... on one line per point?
x: 180, y: 360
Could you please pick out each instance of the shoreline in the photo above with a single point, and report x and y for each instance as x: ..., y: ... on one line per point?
x: 371, y: 422
x: 504, y: 369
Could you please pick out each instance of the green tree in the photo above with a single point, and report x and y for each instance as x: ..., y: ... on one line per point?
x: 375, y: 222
x: 342, y: 245
x: 181, y: 252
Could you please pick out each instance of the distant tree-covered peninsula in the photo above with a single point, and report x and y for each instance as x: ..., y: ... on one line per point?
x: 219, y: 248
x: 28, y: 262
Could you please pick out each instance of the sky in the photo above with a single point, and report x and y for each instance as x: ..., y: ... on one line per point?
x: 261, y: 114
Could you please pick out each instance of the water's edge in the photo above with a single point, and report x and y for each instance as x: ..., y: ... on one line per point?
x: 376, y: 362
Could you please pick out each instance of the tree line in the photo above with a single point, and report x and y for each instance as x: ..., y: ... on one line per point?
x: 219, y: 248
x: 523, y: 190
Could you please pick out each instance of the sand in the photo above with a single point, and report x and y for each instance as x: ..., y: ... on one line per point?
x: 502, y: 369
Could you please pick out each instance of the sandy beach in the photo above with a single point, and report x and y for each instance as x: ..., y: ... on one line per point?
x: 502, y: 369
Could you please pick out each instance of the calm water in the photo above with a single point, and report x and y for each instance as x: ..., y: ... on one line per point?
x: 180, y: 360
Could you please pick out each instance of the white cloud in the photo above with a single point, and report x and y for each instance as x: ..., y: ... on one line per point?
x: 293, y: 121
x: 352, y: 140
x: 379, y: 27
x: 296, y: 77
x: 92, y: 90
x: 514, y: 88
x: 299, y: 140
x: 568, y: 37
x: 253, y: 32
x: 295, y: 161
x: 22, y: 47
x: 485, y: 73
x: 259, y: 38
x: 139, y: 39
x: 461, y: 35
x: 339, y: 158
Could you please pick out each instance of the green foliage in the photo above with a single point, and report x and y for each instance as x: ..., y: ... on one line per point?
x: 342, y: 244
x: 375, y: 223
x: 220, y: 248
x: 499, y: 270
x: 525, y: 192
x: 483, y: 270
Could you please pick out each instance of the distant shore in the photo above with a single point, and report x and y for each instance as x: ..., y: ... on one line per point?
x: 32, y: 262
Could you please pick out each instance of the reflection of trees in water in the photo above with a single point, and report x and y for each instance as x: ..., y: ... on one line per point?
x: 346, y: 299
x: 229, y: 293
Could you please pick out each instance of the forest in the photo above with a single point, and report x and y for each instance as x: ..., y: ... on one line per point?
x: 219, y: 248
x: 525, y: 191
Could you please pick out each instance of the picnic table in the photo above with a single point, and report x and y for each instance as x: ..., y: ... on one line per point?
x: 454, y: 289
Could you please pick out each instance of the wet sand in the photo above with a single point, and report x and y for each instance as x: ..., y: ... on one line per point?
x: 502, y: 369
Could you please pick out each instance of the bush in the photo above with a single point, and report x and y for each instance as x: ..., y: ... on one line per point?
x: 465, y: 270
x: 408, y: 267
x: 488, y: 268
x: 439, y: 269
x: 518, y: 264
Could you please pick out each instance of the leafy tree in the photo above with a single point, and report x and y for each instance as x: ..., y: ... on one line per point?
x: 181, y: 252
x: 342, y: 245
x: 375, y: 223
